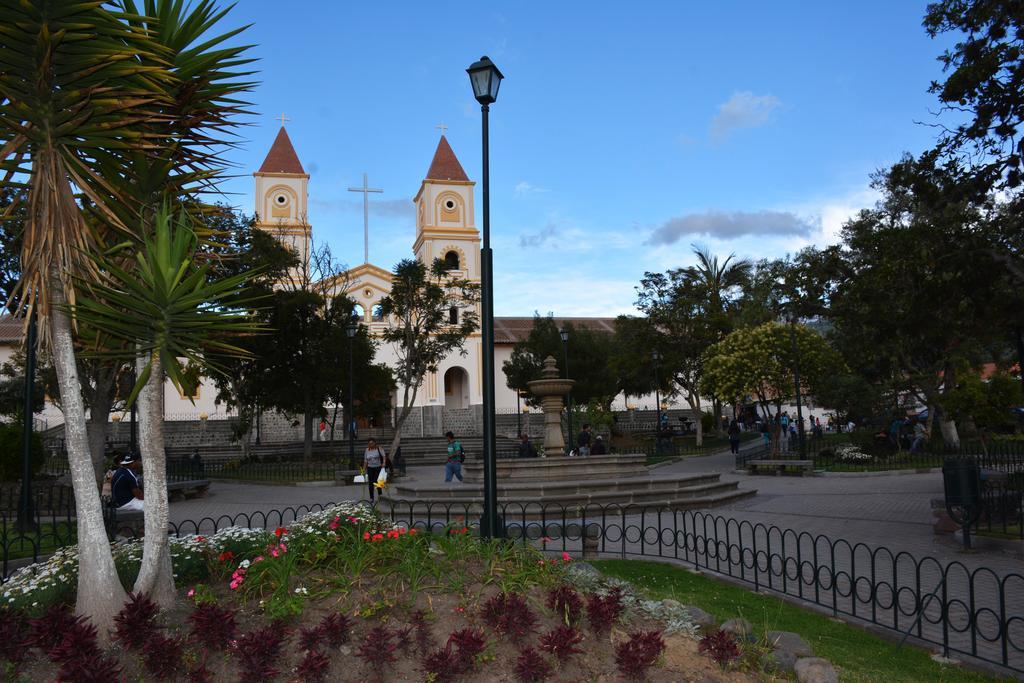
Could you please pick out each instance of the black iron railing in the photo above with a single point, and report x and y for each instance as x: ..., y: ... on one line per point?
x: 972, y: 612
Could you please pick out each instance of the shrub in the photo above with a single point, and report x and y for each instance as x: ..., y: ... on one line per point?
x: 310, y: 639
x: 561, y: 642
x: 378, y: 649
x: 258, y: 651
x: 212, y: 625
x: 136, y: 624
x: 720, y: 646
x: 162, y: 655
x: 335, y: 629
x: 470, y: 644
x: 509, y: 614
x: 636, y: 655
x: 14, y: 643
x: 92, y: 668
x: 199, y: 674
x: 604, y: 611
x: 313, y: 667
x: 76, y: 641
x: 10, y: 452
x: 46, y: 631
x: 565, y: 602
x: 421, y: 626
x: 442, y: 665
x: 531, y: 667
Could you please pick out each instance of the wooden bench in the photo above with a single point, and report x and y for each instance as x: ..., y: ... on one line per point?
x: 780, y: 466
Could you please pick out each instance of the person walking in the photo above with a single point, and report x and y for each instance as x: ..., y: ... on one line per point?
x: 920, y: 435
x: 526, y: 449
x: 374, y: 459
x: 456, y: 456
x: 784, y: 431
x: 734, y: 437
x: 583, y: 441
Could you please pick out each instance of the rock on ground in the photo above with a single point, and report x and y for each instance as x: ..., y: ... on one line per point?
x: 790, y: 642
x: 815, y: 670
x: 741, y: 628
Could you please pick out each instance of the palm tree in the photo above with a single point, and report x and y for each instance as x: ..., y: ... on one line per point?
x: 75, y: 82
x: 715, y: 280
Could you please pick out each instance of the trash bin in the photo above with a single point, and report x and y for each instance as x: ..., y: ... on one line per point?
x: 961, y: 480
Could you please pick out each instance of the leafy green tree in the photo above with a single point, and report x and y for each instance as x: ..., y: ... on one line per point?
x: 757, y: 363
x: 631, y: 360
x: 986, y: 403
x: 419, y: 328
x: 589, y: 353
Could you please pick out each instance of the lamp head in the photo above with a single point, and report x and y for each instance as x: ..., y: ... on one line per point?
x: 485, y: 79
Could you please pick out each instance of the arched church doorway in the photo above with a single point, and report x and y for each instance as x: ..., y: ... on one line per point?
x: 456, y: 389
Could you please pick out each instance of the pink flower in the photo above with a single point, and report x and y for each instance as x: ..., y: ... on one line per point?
x: 540, y: 562
x: 274, y: 553
x: 258, y: 558
x: 366, y: 536
x: 235, y: 584
x: 566, y: 557
x: 412, y: 532
x: 283, y: 547
x: 191, y: 592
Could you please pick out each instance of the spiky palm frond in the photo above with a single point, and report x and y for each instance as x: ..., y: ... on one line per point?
x: 165, y: 304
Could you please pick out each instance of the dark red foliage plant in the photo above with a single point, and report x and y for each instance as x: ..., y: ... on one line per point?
x: 95, y: 668
x: 76, y: 642
x: 566, y: 603
x: 720, y: 646
x: 421, y: 627
x: 199, y: 674
x: 335, y: 628
x: 162, y: 655
x: 442, y: 665
x: 638, y: 654
x: 604, y: 611
x: 310, y: 639
x: 561, y: 642
x: 258, y: 651
x: 47, y: 630
x: 212, y: 625
x: 508, y: 613
x: 470, y: 643
x: 314, y: 667
x: 531, y: 667
x: 136, y: 623
x: 378, y: 649
x: 14, y: 638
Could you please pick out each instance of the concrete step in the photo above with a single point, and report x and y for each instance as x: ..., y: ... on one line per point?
x: 561, y: 489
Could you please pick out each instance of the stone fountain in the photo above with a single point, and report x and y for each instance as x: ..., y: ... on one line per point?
x: 550, y: 390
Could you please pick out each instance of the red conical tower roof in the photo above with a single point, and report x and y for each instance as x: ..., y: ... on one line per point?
x: 445, y: 166
x: 282, y: 157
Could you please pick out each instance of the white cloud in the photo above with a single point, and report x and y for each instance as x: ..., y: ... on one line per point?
x: 835, y: 212
x: 525, y: 189
x: 742, y: 110
x: 727, y: 225
x: 565, y: 293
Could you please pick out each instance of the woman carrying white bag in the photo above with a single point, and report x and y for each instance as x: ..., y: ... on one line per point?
x: 375, y: 461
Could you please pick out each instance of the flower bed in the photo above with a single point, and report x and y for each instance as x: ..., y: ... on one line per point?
x: 344, y: 594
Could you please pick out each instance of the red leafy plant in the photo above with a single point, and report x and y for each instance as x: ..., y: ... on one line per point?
x: 313, y: 667
x: 310, y: 639
x: 47, y: 631
x: 199, y: 674
x: 14, y: 645
x: 458, y: 656
x: 335, y: 629
x: 258, y: 651
x: 508, y: 613
x: 212, y: 625
x: 378, y: 649
x: 561, y: 642
x: 531, y: 667
x: 720, y: 646
x: 566, y: 602
x: 638, y: 654
x: 79, y: 655
x: 421, y: 627
x: 162, y: 655
x: 604, y: 610
x: 136, y: 623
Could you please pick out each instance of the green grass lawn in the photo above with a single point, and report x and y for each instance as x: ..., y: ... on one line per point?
x: 857, y: 654
x: 51, y: 537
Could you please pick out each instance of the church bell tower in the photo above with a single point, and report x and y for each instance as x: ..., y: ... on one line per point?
x: 282, y: 198
x: 445, y: 227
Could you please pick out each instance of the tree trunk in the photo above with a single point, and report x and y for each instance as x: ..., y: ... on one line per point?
x: 717, y: 409
x: 403, y: 415
x: 694, y: 401
x: 100, y: 594
x: 156, y: 576
x: 99, y: 412
x: 950, y: 435
x: 307, y: 431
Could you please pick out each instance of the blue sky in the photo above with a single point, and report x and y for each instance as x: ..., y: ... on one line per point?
x: 623, y: 132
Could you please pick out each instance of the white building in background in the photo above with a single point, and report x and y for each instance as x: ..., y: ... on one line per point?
x: 445, y: 228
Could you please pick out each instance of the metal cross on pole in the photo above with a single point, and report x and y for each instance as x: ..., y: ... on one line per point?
x: 366, y: 190
x: 441, y: 127
x: 282, y: 118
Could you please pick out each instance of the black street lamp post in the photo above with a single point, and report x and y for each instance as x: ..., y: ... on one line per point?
x: 486, y: 79
x: 26, y: 506
x: 351, y: 331
x: 519, y: 417
x: 656, y: 358
x: 564, y: 334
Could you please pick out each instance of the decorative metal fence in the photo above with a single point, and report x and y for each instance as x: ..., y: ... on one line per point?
x: 963, y: 611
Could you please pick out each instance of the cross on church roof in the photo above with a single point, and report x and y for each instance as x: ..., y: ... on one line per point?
x: 442, y: 127
x: 283, y: 118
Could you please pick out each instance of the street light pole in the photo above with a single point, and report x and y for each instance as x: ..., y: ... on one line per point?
x: 351, y: 331
x: 519, y: 417
x: 564, y: 334
x: 656, y: 357
x: 485, y: 79
x: 26, y: 506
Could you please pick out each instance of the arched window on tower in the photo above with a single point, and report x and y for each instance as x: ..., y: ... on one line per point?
x: 377, y: 313
x: 451, y: 260
x: 358, y: 312
x: 453, y: 315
